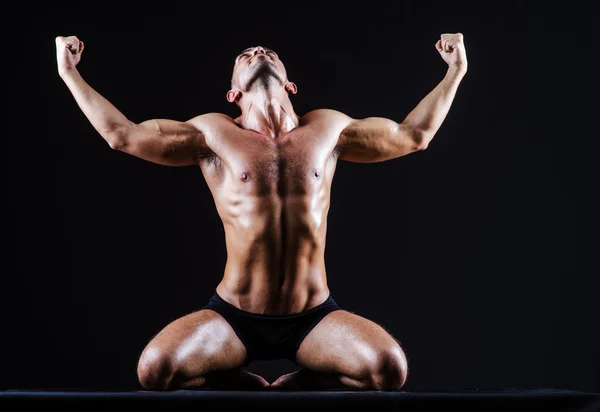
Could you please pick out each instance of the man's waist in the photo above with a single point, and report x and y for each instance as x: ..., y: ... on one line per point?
x: 267, y: 296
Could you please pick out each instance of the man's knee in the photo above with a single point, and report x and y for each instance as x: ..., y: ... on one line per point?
x: 155, y: 369
x: 390, y: 369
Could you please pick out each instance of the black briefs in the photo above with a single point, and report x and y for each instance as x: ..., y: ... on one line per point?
x: 268, y: 337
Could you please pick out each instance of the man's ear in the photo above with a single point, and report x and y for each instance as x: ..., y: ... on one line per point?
x: 233, y: 95
x: 291, y: 87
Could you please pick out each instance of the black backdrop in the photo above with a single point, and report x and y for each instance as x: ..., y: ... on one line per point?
x: 477, y: 254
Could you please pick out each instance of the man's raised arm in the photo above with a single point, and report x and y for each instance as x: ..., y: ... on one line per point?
x: 376, y: 139
x: 166, y: 142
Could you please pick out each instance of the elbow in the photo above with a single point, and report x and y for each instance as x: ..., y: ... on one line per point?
x: 114, y: 141
x: 116, y: 137
x: 421, y: 140
x: 421, y: 146
x: 412, y: 138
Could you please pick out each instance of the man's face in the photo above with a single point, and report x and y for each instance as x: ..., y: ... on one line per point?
x: 255, y: 62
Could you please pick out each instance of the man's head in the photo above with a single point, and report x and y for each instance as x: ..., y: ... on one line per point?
x: 258, y: 64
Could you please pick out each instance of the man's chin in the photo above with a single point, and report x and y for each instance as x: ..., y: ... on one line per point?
x: 264, y: 70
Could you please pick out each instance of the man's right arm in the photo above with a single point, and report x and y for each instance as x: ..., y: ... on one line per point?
x: 162, y: 141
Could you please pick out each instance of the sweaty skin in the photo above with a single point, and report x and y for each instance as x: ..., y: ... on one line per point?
x: 270, y: 173
x: 273, y: 196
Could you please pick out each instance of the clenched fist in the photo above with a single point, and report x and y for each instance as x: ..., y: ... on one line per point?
x: 68, y: 52
x: 452, y: 49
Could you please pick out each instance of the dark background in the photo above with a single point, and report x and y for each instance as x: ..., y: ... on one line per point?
x: 477, y: 254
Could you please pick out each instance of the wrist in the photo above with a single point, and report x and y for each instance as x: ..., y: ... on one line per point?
x: 66, y: 72
x: 457, y: 71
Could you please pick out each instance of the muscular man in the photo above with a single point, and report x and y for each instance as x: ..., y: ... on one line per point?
x: 270, y: 172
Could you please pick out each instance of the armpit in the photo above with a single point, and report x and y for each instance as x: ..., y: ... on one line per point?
x: 337, y: 151
x: 208, y: 156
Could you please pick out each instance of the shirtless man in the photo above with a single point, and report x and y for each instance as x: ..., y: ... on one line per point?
x: 270, y: 172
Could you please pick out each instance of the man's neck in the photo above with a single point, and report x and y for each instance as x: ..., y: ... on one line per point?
x: 268, y: 111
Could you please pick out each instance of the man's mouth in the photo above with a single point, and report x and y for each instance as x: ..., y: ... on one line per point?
x: 258, y: 55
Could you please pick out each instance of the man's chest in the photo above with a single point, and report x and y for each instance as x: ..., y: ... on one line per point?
x: 294, y: 163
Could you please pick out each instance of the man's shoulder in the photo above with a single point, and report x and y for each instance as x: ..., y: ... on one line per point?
x: 211, y: 125
x: 210, y: 119
x: 330, y: 119
x: 327, y: 114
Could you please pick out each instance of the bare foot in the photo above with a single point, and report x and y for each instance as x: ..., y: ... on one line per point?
x: 238, y: 379
x: 250, y: 381
x: 307, y: 380
x: 288, y: 381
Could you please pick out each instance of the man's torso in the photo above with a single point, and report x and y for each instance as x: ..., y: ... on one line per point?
x: 272, y: 195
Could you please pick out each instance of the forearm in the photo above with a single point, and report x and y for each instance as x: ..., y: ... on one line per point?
x: 428, y: 115
x: 103, y: 116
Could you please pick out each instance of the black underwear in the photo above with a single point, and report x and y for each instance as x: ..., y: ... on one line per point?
x: 268, y: 337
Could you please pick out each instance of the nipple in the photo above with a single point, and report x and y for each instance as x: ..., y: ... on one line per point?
x: 317, y: 174
x: 244, y: 176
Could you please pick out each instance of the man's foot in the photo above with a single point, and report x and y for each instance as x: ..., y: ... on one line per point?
x: 250, y: 380
x: 288, y: 381
x: 239, y: 379
x: 305, y: 380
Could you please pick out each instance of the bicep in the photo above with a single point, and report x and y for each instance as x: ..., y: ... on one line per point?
x: 376, y: 139
x: 162, y: 141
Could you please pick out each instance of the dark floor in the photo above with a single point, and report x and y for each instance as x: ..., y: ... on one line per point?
x: 546, y: 400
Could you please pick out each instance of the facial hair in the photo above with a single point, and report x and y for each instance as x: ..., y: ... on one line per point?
x: 263, y: 74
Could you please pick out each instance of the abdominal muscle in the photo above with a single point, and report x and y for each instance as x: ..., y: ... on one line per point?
x: 275, y: 253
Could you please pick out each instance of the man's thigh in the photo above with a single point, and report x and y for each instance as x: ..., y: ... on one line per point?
x: 196, y: 344
x: 348, y: 344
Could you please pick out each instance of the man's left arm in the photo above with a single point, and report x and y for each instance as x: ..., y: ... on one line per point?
x: 376, y: 139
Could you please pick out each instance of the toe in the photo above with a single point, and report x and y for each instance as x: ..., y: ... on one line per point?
x: 285, y: 381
